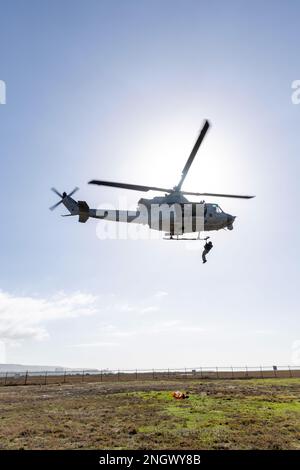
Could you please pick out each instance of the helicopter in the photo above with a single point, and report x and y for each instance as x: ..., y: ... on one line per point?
x: 171, y: 213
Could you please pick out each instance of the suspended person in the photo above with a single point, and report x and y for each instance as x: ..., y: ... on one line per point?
x: 207, y: 247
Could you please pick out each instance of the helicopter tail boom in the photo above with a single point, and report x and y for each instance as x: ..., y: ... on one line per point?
x: 79, y: 208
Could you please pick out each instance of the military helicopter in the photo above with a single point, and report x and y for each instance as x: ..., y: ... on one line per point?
x: 171, y: 213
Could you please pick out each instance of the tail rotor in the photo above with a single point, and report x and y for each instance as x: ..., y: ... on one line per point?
x: 62, y: 196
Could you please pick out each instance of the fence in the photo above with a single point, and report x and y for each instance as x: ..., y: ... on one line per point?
x: 197, y: 373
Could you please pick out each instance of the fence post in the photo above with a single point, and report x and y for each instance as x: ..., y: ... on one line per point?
x: 246, y: 370
x: 217, y: 370
x: 291, y: 375
x: 118, y: 375
x: 101, y: 375
x: 201, y: 373
x: 153, y: 374
x: 261, y: 372
x: 26, y: 375
x: 136, y: 374
x: 83, y: 376
x: 46, y: 377
x: 5, y: 380
x: 232, y: 373
x: 65, y: 373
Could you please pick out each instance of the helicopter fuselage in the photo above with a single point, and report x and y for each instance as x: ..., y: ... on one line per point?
x: 182, y: 216
x: 173, y: 215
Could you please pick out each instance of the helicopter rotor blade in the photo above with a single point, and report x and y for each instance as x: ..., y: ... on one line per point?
x: 237, y: 196
x: 176, y: 189
x: 193, y: 154
x: 55, y: 205
x: 74, y: 191
x: 56, y: 192
x: 134, y: 187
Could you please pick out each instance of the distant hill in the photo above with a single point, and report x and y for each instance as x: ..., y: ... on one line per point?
x: 35, y: 368
x: 24, y: 367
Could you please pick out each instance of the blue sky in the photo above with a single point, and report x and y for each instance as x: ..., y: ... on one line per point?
x: 118, y: 90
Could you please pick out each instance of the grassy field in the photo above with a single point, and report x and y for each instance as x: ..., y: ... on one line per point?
x: 220, y: 414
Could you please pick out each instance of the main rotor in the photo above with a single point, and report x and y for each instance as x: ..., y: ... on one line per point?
x: 177, y: 188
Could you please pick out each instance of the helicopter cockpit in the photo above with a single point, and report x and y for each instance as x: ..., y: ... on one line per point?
x: 217, y: 209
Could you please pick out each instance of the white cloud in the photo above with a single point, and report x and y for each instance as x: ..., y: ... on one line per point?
x: 149, y: 305
x: 95, y: 344
x: 125, y: 307
x: 160, y: 294
x: 263, y: 332
x: 150, y: 309
x: 26, y: 317
x: 113, y: 331
x: 109, y: 332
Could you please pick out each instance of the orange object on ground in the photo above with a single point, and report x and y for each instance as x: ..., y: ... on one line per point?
x: 180, y: 395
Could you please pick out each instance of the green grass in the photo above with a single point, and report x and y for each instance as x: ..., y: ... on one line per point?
x: 246, y: 421
x: 220, y: 414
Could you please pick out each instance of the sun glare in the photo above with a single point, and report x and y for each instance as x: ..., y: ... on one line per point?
x: 158, y: 158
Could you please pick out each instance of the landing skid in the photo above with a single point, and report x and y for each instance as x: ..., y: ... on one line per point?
x: 176, y: 237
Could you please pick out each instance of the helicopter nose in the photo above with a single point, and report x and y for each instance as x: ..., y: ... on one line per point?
x: 230, y: 219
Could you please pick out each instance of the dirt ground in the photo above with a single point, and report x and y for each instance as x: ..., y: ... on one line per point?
x: 220, y: 414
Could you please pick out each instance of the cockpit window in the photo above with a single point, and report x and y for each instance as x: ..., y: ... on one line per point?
x: 217, y: 209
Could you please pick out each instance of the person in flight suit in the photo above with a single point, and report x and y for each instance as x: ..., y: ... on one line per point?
x: 207, y: 247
